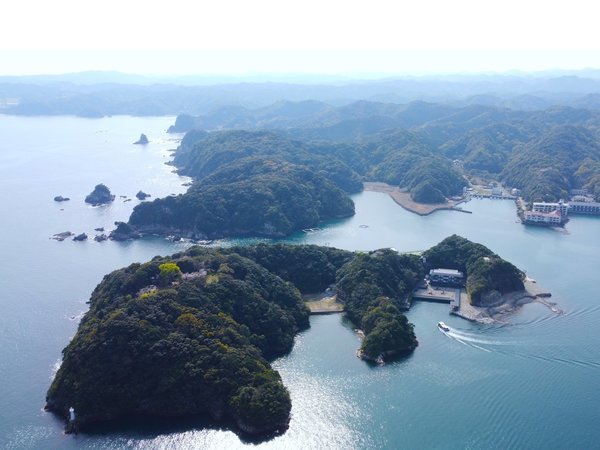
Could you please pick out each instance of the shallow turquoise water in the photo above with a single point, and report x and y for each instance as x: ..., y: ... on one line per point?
x: 531, y: 383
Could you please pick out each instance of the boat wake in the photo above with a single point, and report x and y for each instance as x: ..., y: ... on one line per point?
x: 511, y: 348
x: 467, y: 340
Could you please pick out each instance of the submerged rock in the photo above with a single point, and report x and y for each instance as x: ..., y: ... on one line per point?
x: 100, y: 237
x: 60, y: 198
x: 100, y: 196
x: 143, y: 140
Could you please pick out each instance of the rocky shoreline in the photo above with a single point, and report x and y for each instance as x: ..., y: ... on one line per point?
x: 506, y: 304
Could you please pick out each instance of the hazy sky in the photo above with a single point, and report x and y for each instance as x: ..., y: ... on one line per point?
x: 308, y: 36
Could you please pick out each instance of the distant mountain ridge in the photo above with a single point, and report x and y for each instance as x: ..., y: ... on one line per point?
x: 96, y: 94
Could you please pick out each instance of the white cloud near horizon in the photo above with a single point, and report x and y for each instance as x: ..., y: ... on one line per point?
x: 326, y: 36
x: 305, y: 25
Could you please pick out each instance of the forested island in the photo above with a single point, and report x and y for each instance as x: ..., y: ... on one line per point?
x: 192, y: 334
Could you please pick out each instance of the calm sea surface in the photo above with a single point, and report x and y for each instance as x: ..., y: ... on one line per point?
x: 530, y: 383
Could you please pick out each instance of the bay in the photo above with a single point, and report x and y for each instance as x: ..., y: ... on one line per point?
x: 528, y: 383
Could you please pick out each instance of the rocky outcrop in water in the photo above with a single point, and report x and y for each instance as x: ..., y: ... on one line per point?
x: 60, y: 198
x: 62, y: 236
x: 81, y: 237
x: 141, y: 195
x: 100, y: 196
x: 143, y: 140
x: 123, y: 232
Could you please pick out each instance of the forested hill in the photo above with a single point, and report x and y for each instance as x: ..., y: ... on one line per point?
x: 563, y: 158
x: 545, y: 153
x: 252, y: 196
x: 201, y: 155
x: 251, y: 184
x: 487, y: 273
x: 192, y: 334
x: 263, y: 183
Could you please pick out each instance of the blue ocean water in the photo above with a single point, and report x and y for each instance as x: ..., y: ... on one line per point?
x: 528, y: 383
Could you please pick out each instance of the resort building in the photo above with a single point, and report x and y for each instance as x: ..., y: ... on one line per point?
x: 579, y: 192
x: 584, y: 208
x: 543, y: 207
x: 581, y: 198
x: 542, y: 218
x: 446, y: 277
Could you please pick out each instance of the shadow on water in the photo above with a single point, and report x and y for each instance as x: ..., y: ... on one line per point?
x: 144, y: 427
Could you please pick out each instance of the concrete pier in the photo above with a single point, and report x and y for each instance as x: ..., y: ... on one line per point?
x: 439, y: 295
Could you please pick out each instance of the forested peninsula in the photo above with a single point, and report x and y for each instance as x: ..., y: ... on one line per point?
x: 192, y: 334
x: 262, y: 183
x: 276, y: 170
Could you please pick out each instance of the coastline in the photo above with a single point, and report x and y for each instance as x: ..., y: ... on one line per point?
x: 324, y: 303
x: 510, y: 303
x: 404, y: 200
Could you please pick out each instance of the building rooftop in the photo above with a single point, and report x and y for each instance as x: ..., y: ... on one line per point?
x: 543, y: 214
x: 596, y: 204
x: 445, y: 272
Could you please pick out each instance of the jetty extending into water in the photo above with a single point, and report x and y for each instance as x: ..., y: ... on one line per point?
x: 460, y: 305
x: 439, y: 295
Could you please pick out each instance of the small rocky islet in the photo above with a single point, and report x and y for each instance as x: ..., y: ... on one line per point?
x: 141, y: 195
x: 143, y: 140
x: 101, y: 195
